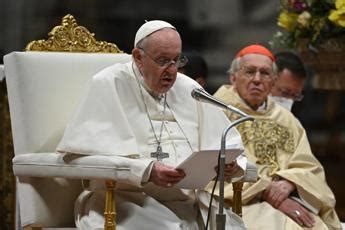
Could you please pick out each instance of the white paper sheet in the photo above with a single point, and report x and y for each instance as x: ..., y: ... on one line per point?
x: 200, y: 167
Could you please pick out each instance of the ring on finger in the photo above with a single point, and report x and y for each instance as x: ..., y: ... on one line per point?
x: 297, y: 213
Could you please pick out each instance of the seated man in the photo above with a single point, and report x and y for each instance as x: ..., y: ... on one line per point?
x: 291, y: 192
x: 290, y: 79
x: 142, y: 114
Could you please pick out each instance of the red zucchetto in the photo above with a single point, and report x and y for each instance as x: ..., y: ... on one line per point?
x: 256, y: 49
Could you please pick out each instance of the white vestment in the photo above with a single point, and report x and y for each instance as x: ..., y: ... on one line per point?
x: 112, y: 120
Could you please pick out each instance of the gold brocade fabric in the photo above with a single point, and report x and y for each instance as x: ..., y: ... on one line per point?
x: 266, y: 138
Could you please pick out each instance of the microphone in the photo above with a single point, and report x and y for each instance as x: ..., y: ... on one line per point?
x: 200, y: 94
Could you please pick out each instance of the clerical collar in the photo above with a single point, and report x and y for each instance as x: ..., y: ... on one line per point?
x: 143, y: 83
x: 262, y: 107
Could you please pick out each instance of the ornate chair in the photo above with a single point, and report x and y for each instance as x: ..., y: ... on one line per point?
x: 43, y: 88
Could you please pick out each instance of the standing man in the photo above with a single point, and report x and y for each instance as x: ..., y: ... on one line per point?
x: 290, y: 79
x: 292, y: 192
x: 142, y: 114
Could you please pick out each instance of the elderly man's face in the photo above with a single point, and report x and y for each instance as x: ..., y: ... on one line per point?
x: 254, y: 80
x: 163, y: 46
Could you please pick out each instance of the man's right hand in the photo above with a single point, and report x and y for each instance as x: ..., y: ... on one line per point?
x: 297, y: 212
x: 278, y: 191
x: 164, y: 175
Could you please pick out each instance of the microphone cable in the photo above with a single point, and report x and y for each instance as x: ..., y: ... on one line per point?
x: 212, y: 194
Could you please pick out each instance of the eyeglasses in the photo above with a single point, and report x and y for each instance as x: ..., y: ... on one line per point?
x: 250, y: 72
x: 179, y: 62
x: 288, y: 94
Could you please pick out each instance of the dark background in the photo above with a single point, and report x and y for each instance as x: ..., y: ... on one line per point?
x: 217, y: 29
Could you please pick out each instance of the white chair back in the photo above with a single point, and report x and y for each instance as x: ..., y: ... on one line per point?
x: 43, y: 89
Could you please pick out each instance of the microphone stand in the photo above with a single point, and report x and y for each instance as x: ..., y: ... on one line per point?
x: 200, y: 94
x: 220, y: 217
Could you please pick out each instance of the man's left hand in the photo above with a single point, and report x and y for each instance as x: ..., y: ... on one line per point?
x: 297, y: 212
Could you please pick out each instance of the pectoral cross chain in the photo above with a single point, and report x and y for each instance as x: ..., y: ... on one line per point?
x: 159, y: 154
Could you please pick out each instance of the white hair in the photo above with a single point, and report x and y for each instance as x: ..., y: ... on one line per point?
x: 236, y: 65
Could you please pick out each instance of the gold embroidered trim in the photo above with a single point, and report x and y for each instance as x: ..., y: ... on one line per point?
x: 266, y: 136
x: 70, y: 37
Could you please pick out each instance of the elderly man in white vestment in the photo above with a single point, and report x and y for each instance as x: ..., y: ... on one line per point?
x: 292, y: 192
x: 142, y: 114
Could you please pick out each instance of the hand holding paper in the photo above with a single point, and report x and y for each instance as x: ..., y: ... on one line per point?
x: 164, y: 175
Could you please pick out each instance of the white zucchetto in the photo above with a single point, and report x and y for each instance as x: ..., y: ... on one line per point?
x: 149, y: 27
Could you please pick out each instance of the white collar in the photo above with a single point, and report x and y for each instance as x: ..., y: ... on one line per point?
x: 262, y: 107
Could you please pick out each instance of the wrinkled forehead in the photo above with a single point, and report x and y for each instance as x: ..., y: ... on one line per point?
x: 164, y: 35
x: 256, y: 60
x: 164, y: 39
